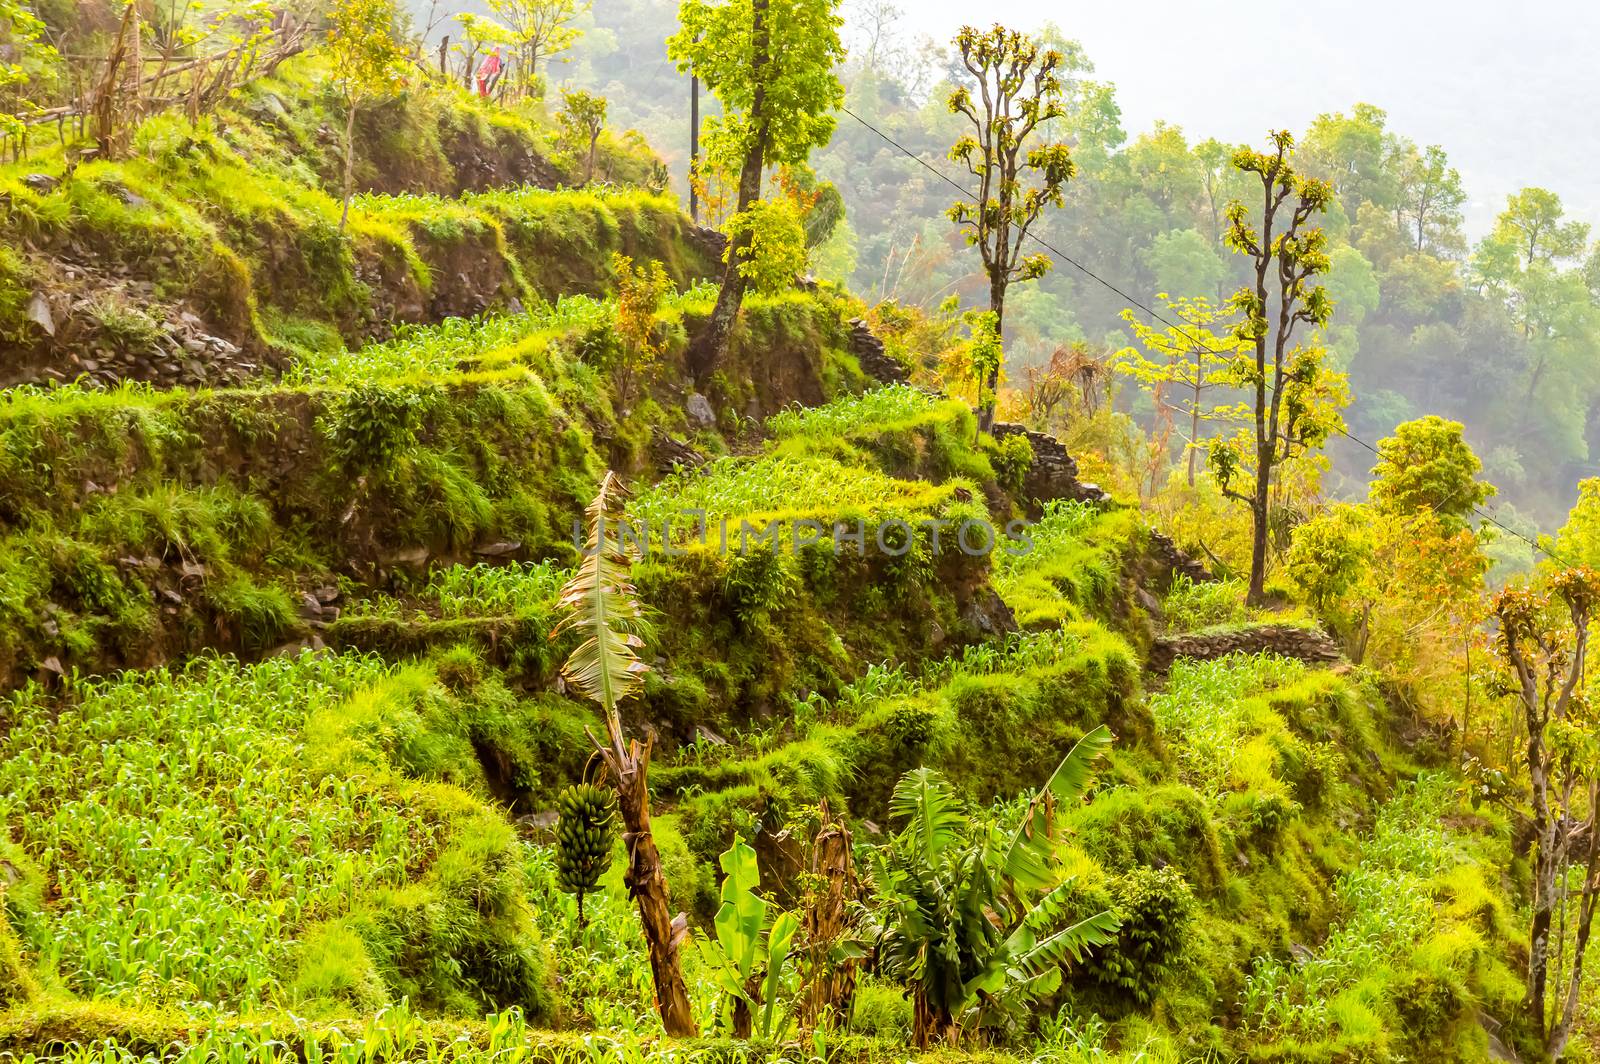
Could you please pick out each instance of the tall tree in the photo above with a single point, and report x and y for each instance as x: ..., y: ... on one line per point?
x: 771, y: 64
x: 1430, y: 199
x: 366, y: 54
x: 1535, y: 228
x: 1018, y: 89
x: 1530, y: 260
x: 1355, y: 154
x: 582, y: 119
x: 1426, y: 466
x: 539, y: 29
x: 602, y: 606
x: 1294, y: 398
x: 1544, y: 636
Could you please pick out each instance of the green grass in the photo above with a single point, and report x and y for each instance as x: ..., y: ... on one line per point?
x: 205, y: 856
x: 781, y: 488
x: 459, y: 345
x: 240, y: 213
x: 1222, y: 729
x: 186, y: 842
x: 1071, y: 567
x: 1411, y: 953
x: 901, y: 429
x: 1191, y: 606
x: 879, y: 410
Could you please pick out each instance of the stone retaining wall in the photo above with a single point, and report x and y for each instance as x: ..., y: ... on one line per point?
x: 1311, y: 645
x: 875, y: 361
x: 1054, y: 475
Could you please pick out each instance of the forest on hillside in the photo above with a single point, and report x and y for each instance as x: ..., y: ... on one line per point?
x: 936, y: 575
x: 1496, y: 332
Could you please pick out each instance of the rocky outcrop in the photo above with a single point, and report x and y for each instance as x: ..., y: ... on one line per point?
x: 174, y: 349
x: 986, y: 612
x: 708, y: 242
x: 1311, y: 645
x: 669, y: 454
x: 875, y: 361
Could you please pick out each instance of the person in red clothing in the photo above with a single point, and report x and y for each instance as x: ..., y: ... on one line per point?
x: 488, y: 71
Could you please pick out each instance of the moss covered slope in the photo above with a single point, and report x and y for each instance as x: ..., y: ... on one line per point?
x: 212, y: 253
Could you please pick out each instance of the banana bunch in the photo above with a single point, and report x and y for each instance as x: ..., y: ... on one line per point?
x: 584, y: 836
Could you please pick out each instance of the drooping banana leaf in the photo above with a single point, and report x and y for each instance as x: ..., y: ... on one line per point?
x: 1037, y: 947
x: 1025, y: 856
x: 601, y: 603
x: 932, y: 812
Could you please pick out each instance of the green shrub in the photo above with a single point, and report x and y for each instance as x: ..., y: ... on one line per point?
x: 374, y: 423
x: 333, y: 973
x: 1011, y: 458
x: 1156, y: 908
x: 881, y: 1010
x: 262, y: 614
x: 1125, y: 827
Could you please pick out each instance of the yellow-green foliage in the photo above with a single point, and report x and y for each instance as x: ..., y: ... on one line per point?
x: 906, y: 431
x: 1072, y: 567
x: 21, y: 900
x: 193, y: 844
x: 1414, y: 957
x: 776, y: 488
x: 962, y: 718
x: 224, y: 498
x: 452, y: 720
x: 1228, y: 723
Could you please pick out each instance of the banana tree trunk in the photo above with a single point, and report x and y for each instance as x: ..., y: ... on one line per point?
x: 830, y: 987
x: 663, y: 932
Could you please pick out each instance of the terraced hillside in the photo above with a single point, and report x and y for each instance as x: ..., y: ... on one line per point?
x: 213, y: 254
x: 285, y: 519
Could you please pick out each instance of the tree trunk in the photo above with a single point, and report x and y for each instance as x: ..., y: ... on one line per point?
x: 829, y: 989
x: 711, y: 347
x: 121, y: 82
x: 991, y: 385
x: 1546, y: 862
x: 1258, y: 526
x: 1539, y: 943
x: 648, y: 886
x: 1589, y: 898
x: 594, y: 144
x: 930, y: 1026
x: 742, y: 1021
x: 349, y: 164
x: 1194, y: 417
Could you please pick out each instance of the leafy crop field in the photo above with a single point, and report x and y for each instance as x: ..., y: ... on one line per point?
x: 358, y: 707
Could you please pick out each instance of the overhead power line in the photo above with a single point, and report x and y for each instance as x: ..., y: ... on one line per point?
x: 1158, y: 316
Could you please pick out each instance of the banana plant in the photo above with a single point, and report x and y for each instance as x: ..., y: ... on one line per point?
x: 747, y: 957
x: 601, y: 604
x: 970, y: 918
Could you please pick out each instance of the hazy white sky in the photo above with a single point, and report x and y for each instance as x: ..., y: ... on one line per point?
x: 1509, y: 90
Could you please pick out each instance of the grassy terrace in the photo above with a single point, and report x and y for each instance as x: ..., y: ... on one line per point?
x: 232, y: 221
